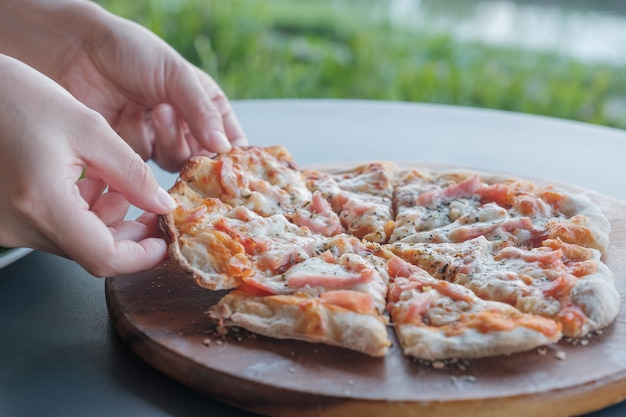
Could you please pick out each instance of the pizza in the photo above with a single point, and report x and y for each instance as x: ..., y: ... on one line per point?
x: 451, y: 264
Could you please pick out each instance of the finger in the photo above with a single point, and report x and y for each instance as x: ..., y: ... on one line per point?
x: 145, y: 226
x: 125, y: 171
x: 136, y: 256
x: 110, y: 207
x: 78, y: 233
x: 130, y: 230
x: 232, y: 127
x: 90, y: 188
x: 234, y: 132
x: 190, y: 98
x: 134, y: 126
x: 150, y: 220
x: 171, y: 149
x: 122, y: 249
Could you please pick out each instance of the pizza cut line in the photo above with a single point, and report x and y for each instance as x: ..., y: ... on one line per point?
x: 459, y: 264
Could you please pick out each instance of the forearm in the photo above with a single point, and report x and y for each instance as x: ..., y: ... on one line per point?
x: 45, y: 34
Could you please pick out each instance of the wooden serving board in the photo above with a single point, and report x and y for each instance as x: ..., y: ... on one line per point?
x: 161, y: 315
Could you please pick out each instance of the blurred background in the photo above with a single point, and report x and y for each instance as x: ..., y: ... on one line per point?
x: 562, y: 58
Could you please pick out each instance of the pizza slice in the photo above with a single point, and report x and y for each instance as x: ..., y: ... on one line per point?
x: 462, y: 205
x: 436, y: 319
x: 222, y: 246
x: 565, y: 282
x: 361, y: 198
x: 336, y: 298
x: 264, y: 180
x: 230, y: 223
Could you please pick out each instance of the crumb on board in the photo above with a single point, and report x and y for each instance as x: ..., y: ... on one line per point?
x: 558, y: 354
x: 451, y: 363
x: 221, y: 331
x: 462, y: 378
x: 219, y: 335
x: 584, y: 340
x: 574, y: 341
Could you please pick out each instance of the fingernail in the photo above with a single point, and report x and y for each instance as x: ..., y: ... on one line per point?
x: 219, y: 141
x: 166, y: 200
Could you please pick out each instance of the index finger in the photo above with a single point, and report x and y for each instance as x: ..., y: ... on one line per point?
x: 113, y: 161
x: 234, y: 131
x: 206, y: 109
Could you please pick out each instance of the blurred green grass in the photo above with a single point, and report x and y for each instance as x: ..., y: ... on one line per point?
x: 335, y: 49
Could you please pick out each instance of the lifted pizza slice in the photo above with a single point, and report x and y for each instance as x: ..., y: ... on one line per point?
x: 222, y: 246
x: 264, y: 180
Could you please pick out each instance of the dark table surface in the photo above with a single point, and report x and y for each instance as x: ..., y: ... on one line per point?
x: 59, y: 355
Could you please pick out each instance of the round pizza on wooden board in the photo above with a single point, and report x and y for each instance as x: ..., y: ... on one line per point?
x: 162, y: 315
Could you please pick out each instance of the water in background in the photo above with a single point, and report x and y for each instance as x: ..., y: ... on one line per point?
x: 587, y: 30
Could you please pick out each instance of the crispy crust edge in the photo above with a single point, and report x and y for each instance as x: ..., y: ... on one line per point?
x: 597, y: 296
x: 365, y: 333
x: 429, y: 345
x: 215, y: 282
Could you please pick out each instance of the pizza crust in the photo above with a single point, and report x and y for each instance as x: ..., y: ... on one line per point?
x: 598, y: 298
x: 307, y: 319
x: 427, y: 344
x: 599, y: 227
x: 188, y: 261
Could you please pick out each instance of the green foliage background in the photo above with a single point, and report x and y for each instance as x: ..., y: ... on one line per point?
x: 337, y: 49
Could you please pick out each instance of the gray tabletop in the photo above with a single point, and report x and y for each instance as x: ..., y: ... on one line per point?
x: 59, y: 354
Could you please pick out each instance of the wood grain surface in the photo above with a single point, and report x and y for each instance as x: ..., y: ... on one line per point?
x: 161, y: 315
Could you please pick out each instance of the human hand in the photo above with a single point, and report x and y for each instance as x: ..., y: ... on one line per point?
x: 48, y: 140
x: 164, y: 107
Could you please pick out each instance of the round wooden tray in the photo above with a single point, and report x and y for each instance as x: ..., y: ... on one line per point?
x: 161, y: 315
